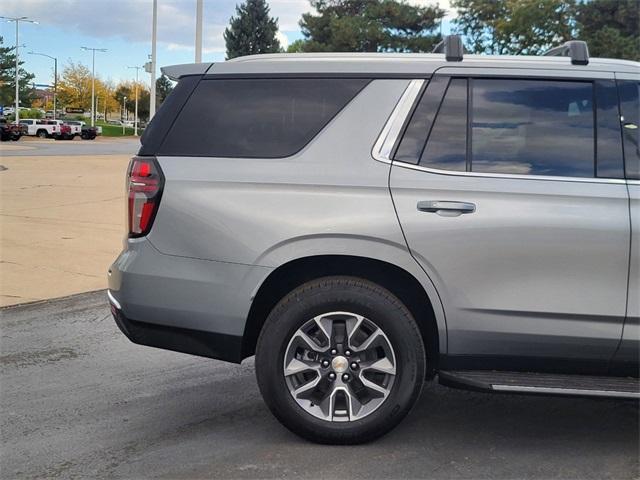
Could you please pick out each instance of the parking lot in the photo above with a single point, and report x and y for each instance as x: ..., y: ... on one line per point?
x: 79, y: 400
x: 62, y: 213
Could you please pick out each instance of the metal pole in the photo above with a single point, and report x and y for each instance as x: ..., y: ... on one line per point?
x: 17, y: 77
x: 18, y: 20
x: 55, y: 78
x: 198, y: 31
x: 152, y: 106
x: 124, y: 106
x: 93, y: 81
x: 135, y: 119
x: 93, y: 89
x: 55, y: 87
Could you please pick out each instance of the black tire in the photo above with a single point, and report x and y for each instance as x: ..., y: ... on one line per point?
x: 42, y: 134
x: 340, y: 293
x: 15, y: 138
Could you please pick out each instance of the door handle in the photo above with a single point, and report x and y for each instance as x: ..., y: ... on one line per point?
x: 445, y: 208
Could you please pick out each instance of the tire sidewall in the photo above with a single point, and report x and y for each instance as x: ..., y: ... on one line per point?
x: 348, y: 295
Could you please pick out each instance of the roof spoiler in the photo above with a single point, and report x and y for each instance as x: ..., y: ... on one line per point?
x: 174, y: 72
x: 576, y: 49
x: 452, y: 48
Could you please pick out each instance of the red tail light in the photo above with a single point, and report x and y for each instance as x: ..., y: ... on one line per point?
x: 144, y: 185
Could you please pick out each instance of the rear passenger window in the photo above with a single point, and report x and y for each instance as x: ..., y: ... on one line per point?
x: 630, y: 123
x: 532, y: 127
x: 264, y: 118
x: 447, y: 143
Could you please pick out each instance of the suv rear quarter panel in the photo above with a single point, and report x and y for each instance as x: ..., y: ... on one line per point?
x: 268, y: 211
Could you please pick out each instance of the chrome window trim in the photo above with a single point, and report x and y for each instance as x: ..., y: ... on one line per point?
x: 510, y: 176
x: 392, y: 129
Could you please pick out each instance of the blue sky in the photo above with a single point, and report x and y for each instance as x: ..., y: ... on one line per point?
x: 123, y: 27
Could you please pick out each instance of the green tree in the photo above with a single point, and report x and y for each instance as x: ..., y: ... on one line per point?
x: 369, y: 26
x: 8, y: 78
x: 163, y: 89
x: 516, y: 27
x: 252, y: 30
x: 611, y: 28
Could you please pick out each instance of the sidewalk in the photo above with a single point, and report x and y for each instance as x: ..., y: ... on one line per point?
x: 61, y: 224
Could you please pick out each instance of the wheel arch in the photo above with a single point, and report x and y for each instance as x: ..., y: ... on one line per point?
x: 397, y: 280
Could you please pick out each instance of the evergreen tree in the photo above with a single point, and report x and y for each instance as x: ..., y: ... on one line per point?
x: 514, y: 27
x: 611, y: 28
x: 8, y: 78
x: 369, y: 26
x: 163, y: 89
x: 252, y: 30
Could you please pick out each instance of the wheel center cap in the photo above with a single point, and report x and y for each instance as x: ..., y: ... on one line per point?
x: 339, y: 364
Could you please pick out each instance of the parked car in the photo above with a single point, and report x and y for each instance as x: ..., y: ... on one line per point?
x: 11, y: 131
x: 87, y: 132
x: 65, y: 133
x: 42, y: 128
x: 361, y: 222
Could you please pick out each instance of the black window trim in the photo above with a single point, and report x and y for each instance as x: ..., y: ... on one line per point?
x: 470, y: 173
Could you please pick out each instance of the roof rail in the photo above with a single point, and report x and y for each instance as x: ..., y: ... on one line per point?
x: 452, y: 48
x: 576, y: 49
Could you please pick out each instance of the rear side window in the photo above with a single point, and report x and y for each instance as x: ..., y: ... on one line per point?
x: 630, y: 123
x: 532, y: 127
x: 257, y: 118
x: 447, y: 144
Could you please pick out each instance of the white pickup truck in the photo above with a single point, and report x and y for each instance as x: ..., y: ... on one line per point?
x: 66, y: 133
x: 40, y: 127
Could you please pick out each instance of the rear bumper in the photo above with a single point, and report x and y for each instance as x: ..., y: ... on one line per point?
x: 182, y: 304
x: 194, y: 342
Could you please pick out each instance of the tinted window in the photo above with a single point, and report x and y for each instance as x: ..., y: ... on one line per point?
x: 630, y: 123
x: 447, y: 144
x: 415, y: 135
x: 609, y: 163
x: 532, y: 127
x: 266, y: 118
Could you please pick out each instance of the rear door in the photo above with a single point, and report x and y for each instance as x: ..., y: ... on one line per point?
x: 525, y: 235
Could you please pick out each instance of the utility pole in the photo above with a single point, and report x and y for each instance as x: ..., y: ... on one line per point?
x: 199, y: 31
x: 124, y: 106
x: 93, y: 82
x: 18, y: 20
x: 55, y: 79
x: 154, y: 27
x: 135, y: 118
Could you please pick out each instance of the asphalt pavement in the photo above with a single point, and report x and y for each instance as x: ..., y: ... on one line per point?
x: 78, y: 400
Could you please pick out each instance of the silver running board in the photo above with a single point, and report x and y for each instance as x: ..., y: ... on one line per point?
x: 542, y: 383
x: 565, y: 391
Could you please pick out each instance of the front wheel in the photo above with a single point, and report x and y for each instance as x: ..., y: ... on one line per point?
x: 340, y: 360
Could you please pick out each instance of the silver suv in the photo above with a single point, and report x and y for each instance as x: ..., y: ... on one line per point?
x: 363, y: 222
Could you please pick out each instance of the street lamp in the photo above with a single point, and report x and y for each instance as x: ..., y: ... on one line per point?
x: 124, y: 105
x: 135, y: 117
x: 55, y: 79
x: 18, y: 20
x: 93, y: 81
x: 154, y: 27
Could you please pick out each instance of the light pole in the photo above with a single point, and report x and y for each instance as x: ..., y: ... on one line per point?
x: 18, y: 20
x: 93, y: 82
x: 135, y: 117
x: 124, y: 105
x: 154, y: 27
x: 198, y: 31
x: 55, y: 79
